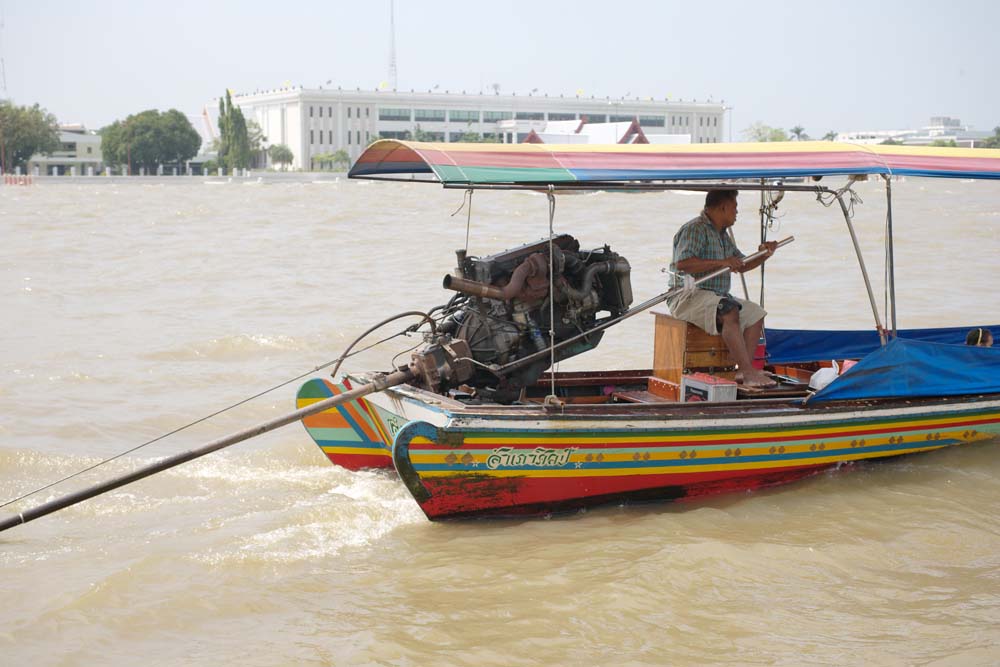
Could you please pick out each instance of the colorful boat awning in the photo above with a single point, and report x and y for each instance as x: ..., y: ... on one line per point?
x: 534, y: 164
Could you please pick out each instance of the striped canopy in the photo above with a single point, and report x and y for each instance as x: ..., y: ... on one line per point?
x: 460, y: 163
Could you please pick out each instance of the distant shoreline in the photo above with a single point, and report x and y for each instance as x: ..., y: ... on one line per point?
x: 254, y: 177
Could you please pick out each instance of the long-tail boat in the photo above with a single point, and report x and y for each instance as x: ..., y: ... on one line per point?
x: 478, y: 423
x: 481, y: 428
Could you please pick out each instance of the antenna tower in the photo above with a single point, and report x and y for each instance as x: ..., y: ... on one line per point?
x: 3, y: 68
x: 392, y: 44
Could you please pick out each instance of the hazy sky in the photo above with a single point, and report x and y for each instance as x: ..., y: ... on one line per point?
x: 826, y: 66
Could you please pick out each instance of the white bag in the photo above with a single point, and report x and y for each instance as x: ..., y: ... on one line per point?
x: 824, y: 376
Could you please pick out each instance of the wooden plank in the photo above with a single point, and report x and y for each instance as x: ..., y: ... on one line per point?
x: 708, y: 359
x: 638, y: 397
x: 665, y: 388
x: 669, y: 338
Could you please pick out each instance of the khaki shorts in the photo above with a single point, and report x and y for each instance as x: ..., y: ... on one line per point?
x: 699, y: 308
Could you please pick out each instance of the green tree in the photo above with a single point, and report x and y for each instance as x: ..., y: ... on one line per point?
x: 470, y: 137
x: 281, y: 154
x: 419, y: 134
x: 892, y: 142
x: 256, y: 140
x: 994, y: 141
x: 25, y: 131
x: 234, y: 140
x: 760, y: 132
x: 342, y: 159
x: 941, y: 143
x: 830, y: 136
x: 321, y: 160
x: 799, y: 133
x: 150, y: 139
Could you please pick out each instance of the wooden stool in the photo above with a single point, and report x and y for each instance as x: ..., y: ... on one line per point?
x: 679, y: 347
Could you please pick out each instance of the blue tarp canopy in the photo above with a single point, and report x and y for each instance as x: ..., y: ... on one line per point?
x: 786, y: 346
x: 911, y: 368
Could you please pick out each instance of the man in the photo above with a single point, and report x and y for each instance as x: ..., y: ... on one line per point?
x: 979, y: 337
x: 702, y: 246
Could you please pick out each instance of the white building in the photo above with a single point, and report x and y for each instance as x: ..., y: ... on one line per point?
x: 941, y: 130
x: 79, y: 154
x: 323, y: 121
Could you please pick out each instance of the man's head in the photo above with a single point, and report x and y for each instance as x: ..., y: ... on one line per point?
x: 980, y: 337
x: 721, y: 207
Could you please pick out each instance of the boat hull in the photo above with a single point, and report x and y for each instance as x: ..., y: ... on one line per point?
x: 470, y: 471
x: 461, y: 460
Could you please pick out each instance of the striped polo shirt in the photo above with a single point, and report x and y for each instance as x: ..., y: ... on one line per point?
x: 698, y: 238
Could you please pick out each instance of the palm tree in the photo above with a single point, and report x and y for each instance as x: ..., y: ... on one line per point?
x: 830, y: 136
x: 799, y: 133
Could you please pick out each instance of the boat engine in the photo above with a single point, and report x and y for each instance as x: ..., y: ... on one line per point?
x: 502, y: 309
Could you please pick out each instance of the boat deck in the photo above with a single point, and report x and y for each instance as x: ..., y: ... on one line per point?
x: 642, y: 387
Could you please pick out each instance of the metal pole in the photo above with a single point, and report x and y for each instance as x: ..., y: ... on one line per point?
x: 391, y: 380
x: 892, y: 264
x: 552, y: 296
x: 864, y: 270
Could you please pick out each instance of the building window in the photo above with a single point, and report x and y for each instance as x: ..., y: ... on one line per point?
x: 529, y: 115
x: 561, y: 116
x: 89, y: 150
x: 348, y: 137
x: 321, y: 112
x: 329, y: 137
x: 700, y: 121
x: 348, y: 112
x: 459, y: 115
x: 320, y: 135
x: 394, y: 134
x: 652, y: 121
x: 715, y: 122
x: 329, y: 112
x: 367, y: 112
x: 359, y: 112
x: 432, y: 115
x: 310, y: 112
x: 394, y: 114
x: 358, y: 135
x: 620, y: 118
x: 312, y: 137
x: 493, y: 116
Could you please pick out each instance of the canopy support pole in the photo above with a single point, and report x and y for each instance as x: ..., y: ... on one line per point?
x: 891, y: 260
x: 763, y: 237
x: 861, y: 262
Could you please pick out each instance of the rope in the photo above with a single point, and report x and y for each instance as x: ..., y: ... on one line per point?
x: 336, y: 361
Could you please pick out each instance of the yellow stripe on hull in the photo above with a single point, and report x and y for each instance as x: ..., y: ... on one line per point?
x: 675, y: 470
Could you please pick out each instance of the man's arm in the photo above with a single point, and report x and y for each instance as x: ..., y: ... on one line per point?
x: 694, y: 265
x: 698, y: 265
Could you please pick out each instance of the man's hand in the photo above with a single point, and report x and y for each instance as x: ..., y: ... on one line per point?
x: 733, y: 263
x: 769, y: 246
